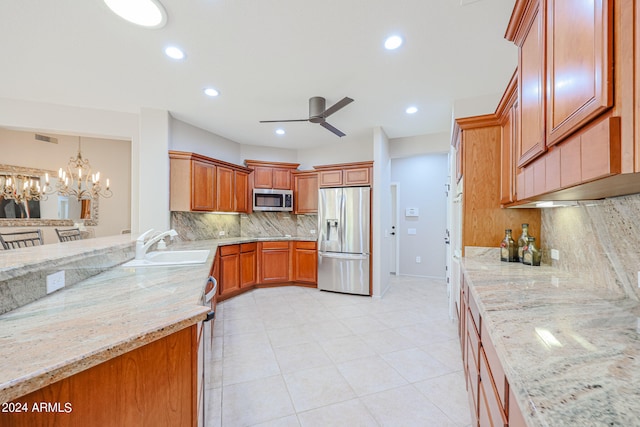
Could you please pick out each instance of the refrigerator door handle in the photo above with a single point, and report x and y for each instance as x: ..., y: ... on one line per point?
x: 343, y: 255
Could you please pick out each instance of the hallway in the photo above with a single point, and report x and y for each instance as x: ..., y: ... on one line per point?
x: 296, y: 356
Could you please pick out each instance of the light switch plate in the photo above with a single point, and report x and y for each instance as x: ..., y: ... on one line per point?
x: 221, y: 233
x: 55, y: 281
x: 411, y: 231
x: 555, y: 254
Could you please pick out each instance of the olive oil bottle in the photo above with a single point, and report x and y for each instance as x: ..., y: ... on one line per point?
x: 523, y: 240
x: 508, y: 248
x: 531, y: 254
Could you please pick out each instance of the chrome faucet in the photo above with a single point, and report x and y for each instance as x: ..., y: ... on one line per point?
x: 142, y: 247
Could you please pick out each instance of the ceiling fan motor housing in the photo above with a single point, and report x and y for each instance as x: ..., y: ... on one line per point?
x: 317, y: 106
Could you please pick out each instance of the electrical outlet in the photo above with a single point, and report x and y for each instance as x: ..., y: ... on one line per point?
x: 55, y: 281
x: 221, y: 233
x: 555, y: 254
x: 418, y: 260
x: 312, y: 231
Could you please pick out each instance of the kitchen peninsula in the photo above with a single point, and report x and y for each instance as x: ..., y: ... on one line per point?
x: 107, y: 338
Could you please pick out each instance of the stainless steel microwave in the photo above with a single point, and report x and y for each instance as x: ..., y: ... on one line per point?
x: 272, y: 200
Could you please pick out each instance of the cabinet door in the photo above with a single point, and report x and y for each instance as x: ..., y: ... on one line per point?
x: 330, y: 178
x: 224, y: 189
x: 241, y: 192
x: 507, y: 156
x: 248, y: 266
x: 305, y: 193
x: 531, y: 88
x: 262, y: 177
x: 229, y: 268
x: 306, y: 263
x: 203, y: 186
x: 281, y: 179
x: 274, y: 262
x: 579, y: 64
x: 356, y: 176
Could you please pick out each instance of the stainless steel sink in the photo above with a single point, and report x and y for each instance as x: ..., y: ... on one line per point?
x: 163, y: 258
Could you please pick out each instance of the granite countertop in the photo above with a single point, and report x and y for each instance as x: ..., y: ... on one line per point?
x: 99, y: 318
x: 570, y: 348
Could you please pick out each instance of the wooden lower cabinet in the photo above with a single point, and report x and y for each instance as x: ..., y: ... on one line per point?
x: 229, y: 260
x: 154, y: 385
x: 274, y: 262
x: 305, y: 262
x: 248, y: 264
x: 491, y: 401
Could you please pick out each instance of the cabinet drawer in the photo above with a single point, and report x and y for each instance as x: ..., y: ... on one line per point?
x: 248, y: 247
x: 473, y: 344
x: 275, y: 245
x: 475, y: 313
x: 305, y: 245
x: 494, y: 406
x: 516, y: 419
x: 229, y: 250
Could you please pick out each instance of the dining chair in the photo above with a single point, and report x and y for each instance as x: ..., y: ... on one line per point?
x: 21, y: 239
x: 68, y: 234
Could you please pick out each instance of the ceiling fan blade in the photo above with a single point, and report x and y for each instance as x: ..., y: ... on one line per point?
x: 332, y: 129
x: 283, y: 121
x: 338, y: 105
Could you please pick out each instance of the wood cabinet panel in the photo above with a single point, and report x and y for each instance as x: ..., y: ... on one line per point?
x: 150, y: 386
x: 305, y: 262
x: 281, y: 179
x: 539, y: 176
x: 600, y: 150
x: 225, y: 194
x: 274, y: 262
x: 241, y: 202
x: 331, y: 178
x: 229, y: 270
x: 356, y: 176
x: 516, y: 419
x: 553, y: 170
x: 507, y: 150
x: 305, y: 192
x: 531, y: 68
x: 580, y: 64
x: 248, y: 265
x: 494, y: 368
x: 271, y: 175
x: 262, y: 177
x: 570, y: 162
x: 203, y: 197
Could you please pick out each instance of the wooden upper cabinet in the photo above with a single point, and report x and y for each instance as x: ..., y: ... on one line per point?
x: 241, y: 192
x: 531, y: 88
x: 224, y: 189
x: 200, y: 183
x: 203, y: 186
x: 345, y: 174
x: 508, y: 113
x: 305, y: 192
x: 579, y: 64
x: 271, y: 175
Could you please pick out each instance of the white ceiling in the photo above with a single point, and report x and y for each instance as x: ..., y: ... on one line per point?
x: 267, y: 58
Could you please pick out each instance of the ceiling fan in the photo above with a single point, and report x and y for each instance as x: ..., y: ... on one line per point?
x: 318, y: 113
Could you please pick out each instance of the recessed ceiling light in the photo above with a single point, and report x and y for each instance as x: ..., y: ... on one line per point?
x: 174, y: 52
x: 411, y: 110
x: 211, y: 92
x: 280, y: 131
x: 393, y: 42
x: 146, y: 13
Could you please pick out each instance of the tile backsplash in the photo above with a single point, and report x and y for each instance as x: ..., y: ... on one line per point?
x: 204, y: 226
x: 598, y: 240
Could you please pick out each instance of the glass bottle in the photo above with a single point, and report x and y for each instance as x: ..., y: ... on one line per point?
x: 531, y: 254
x: 523, y: 240
x: 508, y: 248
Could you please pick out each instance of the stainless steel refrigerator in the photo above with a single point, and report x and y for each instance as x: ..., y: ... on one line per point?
x: 343, y: 238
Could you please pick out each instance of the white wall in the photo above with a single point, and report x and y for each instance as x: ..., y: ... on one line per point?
x: 421, y: 144
x: 267, y: 154
x: 186, y: 137
x: 422, y: 185
x: 338, y: 152
x: 381, y: 220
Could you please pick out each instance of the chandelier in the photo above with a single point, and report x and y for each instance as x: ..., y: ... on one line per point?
x: 23, y: 188
x: 77, y: 179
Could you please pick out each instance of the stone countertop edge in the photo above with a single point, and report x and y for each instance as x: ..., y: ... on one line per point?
x: 514, y: 299
x: 82, y: 304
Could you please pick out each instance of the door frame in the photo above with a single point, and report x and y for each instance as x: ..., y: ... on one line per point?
x: 394, y: 188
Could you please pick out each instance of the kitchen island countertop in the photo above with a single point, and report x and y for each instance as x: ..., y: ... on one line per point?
x: 101, y: 317
x: 570, y: 348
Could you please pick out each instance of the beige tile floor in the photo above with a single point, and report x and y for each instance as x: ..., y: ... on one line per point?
x: 295, y: 356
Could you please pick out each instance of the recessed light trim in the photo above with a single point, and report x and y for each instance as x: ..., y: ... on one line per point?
x: 211, y: 92
x: 145, y: 13
x: 411, y: 110
x: 393, y: 42
x: 174, y: 52
x: 280, y: 131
